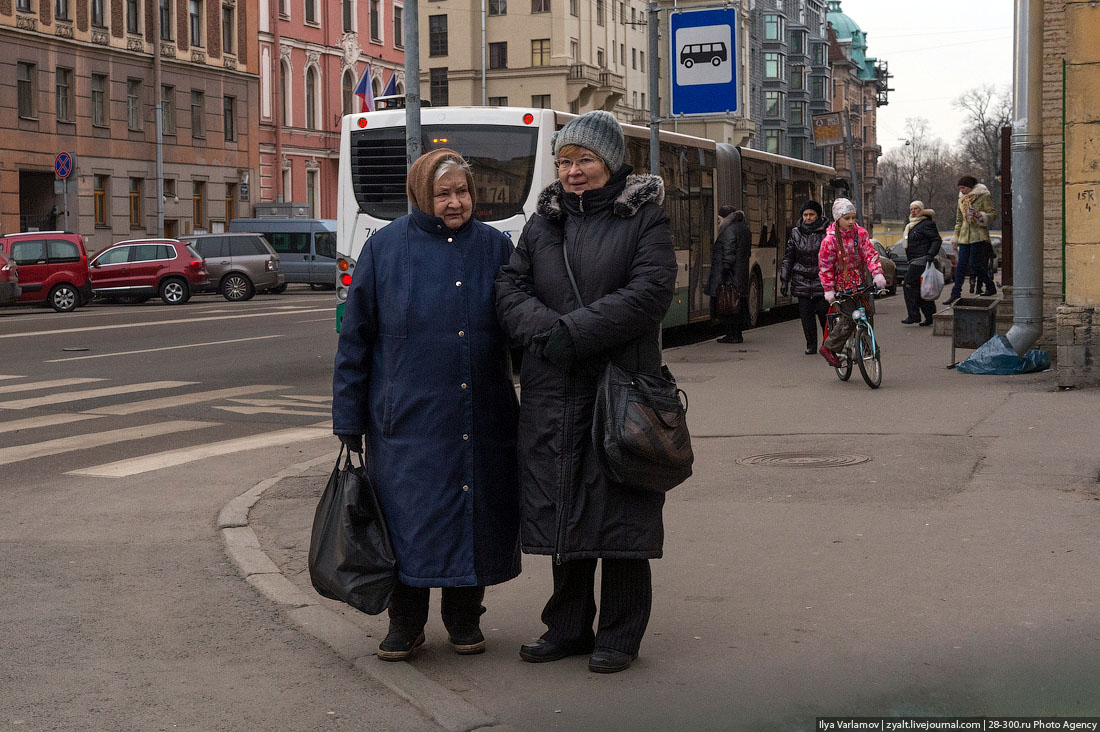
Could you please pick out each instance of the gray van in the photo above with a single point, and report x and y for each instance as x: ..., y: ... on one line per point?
x: 306, y: 247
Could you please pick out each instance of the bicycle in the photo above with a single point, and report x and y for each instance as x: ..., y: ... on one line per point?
x: 862, y: 342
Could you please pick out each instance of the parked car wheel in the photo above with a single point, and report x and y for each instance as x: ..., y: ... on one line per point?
x: 174, y: 291
x: 237, y: 287
x: 64, y: 298
x: 278, y: 290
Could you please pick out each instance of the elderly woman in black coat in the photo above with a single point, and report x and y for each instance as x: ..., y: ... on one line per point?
x: 611, y: 226
x: 798, y: 275
x: 729, y: 264
x: 922, y: 244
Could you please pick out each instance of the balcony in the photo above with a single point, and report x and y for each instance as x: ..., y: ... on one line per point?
x: 583, y: 75
x: 612, y: 82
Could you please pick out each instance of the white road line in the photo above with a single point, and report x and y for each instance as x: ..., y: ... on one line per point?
x: 317, y: 320
x: 165, y: 348
x: 275, y: 410
x: 308, y: 398
x: 51, y: 384
x: 176, y: 401
x: 9, y: 376
x: 90, y: 328
x: 75, y: 396
x: 284, y: 402
x: 95, y: 439
x: 169, y: 458
x: 48, y: 420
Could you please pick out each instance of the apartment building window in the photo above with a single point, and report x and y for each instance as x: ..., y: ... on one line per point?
x: 574, y: 107
x: 819, y: 54
x: 311, y: 192
x: 773, y: 66
x: 574, y: 49
x: 376, y: 21
x: 228, y: 26
x: 166, y: 20
x: 132, y: 20
x: 347, y: 92
x: 773, y: 27
x: 133, y: 105
x: 601, y: 58
x: 229, y: 118
x: 798, y: 114
x: 818, y: 87
x: 198, y: 204
x: 348, y: 14
x: 23, y: 6
x: 311, y: 12
x: 284, y: 92
x: 137, y: 221
x: 540, y: 6
x: 99, y: 194
x: 438, y: 89
x: 772, y: 141
x: 540, y: 101
x: 230, y: 201
x: 643, y: 100
x: 99, y: 20
x: 540, y: 52
x: 498, y: 7
x: 633, y: 15
x: 798, y: 147
x: 99, y: 100
x: 634, y: 59
x: 634, y: 99
x: 311, y: 98
x: 498, y: 101
x: 622, y: 54
x: 641, y: 60
x: 798, y: 42
x: 798, y: 78
x: 437, y: 35
x: 574, y: 8
x: 196, y: 22
x: 63, y: 80
x: 398, y: 26
x: 498, y: 55
x: 61, y: 10
x: 284, y: 10
x: 168, y: 109
x: 198, y: 100
x: 600, y: 12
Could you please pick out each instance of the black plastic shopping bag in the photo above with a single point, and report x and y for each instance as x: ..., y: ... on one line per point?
x: 350, y: 553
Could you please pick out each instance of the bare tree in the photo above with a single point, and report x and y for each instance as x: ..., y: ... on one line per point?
x: 987, y: 111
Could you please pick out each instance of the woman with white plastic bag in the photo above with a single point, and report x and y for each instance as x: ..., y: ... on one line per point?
x: 922, y: 245
x: 931, y: 283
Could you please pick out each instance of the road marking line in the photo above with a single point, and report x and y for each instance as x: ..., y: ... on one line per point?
x: 90, y: 328
x: 51, y: 384
x: 176, y: 401
x: 75, y: 396
x: 45, y: 421
x: 284, y: 402
x: 9, y: 376
x: 308, y: 398
x: 274, y: 410
x: 165, y: 348
x: 95, y: 439
x: 170, y: 458
x: 317, y: 320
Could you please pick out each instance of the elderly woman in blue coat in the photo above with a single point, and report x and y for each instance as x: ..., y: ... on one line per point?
x: 423, y: 371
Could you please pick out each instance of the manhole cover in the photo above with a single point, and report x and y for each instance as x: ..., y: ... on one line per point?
x: 804, y: 460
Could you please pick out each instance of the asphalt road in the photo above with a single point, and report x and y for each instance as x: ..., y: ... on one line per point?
x: 120, y: 609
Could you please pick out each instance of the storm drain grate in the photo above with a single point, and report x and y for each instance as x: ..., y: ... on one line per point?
x: 804, y: 460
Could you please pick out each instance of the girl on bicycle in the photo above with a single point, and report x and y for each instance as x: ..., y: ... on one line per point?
x: 844, y: 252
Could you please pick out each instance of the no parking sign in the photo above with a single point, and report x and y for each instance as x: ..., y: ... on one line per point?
x: 63, y: 164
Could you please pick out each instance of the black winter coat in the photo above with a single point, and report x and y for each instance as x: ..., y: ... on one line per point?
x: 924, y: 240
x: 800, y: 260
x: 729, y: 259
x: 621, y: 253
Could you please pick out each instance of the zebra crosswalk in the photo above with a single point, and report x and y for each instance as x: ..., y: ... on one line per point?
x: 108, y: 414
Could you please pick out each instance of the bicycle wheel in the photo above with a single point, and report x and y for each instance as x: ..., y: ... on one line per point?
x: 845, y: 371
x: 870, y: 365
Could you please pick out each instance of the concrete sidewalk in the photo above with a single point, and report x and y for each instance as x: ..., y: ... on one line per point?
x: 944, y: 564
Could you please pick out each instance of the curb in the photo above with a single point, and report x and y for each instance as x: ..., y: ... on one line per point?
x: 444, y: 707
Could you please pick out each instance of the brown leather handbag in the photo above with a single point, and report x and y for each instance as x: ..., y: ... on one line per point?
x: 728, y: 303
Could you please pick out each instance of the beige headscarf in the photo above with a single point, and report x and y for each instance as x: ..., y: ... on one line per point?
x: 420, y: 186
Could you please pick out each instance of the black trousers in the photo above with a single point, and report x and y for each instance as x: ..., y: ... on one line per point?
x: 812, y: 311
x: 915, y: 305
x: 626, y: 598
x: 461, y: 607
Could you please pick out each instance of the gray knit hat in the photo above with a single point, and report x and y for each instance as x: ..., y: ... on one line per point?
x: 597, y: 131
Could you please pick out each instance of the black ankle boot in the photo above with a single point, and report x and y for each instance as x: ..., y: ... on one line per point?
x: 400, y: 643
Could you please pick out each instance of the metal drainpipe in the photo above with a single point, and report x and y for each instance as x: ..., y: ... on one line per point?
x: 1027, y: 176
x: 277, y: 94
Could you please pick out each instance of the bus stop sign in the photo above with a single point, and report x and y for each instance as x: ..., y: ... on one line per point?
x: 704, y: 57
x: 63, y: 164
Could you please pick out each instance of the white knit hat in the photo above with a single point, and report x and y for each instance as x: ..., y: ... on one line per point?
x: 842, y: 206
x: 918, y: 204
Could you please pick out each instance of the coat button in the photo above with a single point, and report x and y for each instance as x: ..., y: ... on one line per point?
x: 464, y: 386
x: 465, y: 487
x: 461, y: 334
x: 465, y: 437
x: 458, y: 284
x: 450, y: 239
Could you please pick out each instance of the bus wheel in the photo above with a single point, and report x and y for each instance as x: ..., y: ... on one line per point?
x: 688, y: 63
x: 756, y: 299
x: 716, y: 61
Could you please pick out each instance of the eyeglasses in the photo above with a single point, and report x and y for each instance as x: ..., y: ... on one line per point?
x: 567, y: 164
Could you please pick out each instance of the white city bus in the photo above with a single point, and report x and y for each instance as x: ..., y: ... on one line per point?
x: 509, y: 150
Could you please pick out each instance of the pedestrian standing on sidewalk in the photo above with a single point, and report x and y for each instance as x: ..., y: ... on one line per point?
x: 616, y: 235
x: 424, y: 371
x: 973, y: 216
x: 799, y: 273
x: 729, y: 265
x: 845, y: 251
x: 922, y: 244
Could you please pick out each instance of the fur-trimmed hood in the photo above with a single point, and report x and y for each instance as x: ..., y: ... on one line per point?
x: 637, y: 191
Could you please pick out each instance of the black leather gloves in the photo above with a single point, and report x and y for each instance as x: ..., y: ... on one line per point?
x: 784, y: 289
x: 559, y: 349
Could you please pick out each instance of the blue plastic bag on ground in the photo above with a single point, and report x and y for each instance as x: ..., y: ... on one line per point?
x: 996, y: 356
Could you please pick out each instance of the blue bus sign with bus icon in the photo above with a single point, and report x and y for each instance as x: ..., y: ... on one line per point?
x: 704, y: 62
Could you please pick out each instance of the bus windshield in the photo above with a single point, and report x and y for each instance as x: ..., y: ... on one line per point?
x: 503, y: 159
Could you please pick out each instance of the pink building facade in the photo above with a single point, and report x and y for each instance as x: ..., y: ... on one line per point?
x: 312, y: 55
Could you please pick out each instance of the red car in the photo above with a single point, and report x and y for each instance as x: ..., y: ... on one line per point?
x: 138, y: 269
x: 9, y: 281
x: 53, y: 267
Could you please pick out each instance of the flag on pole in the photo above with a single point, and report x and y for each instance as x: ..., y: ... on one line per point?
x: 391, y: 87
x: 364, y: 91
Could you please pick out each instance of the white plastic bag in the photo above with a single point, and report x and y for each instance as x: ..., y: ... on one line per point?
x: 931, y: 282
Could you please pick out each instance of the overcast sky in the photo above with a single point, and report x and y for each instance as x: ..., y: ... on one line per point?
x: 937, y: 49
